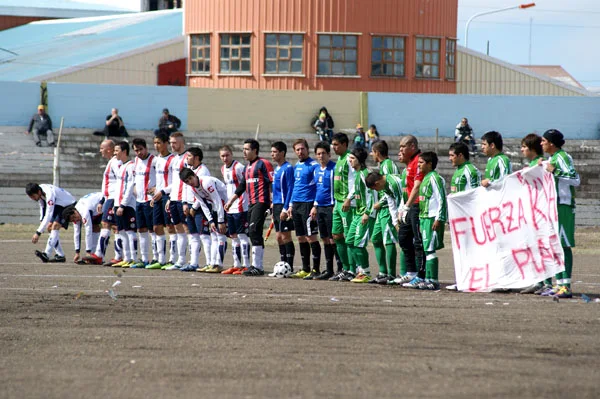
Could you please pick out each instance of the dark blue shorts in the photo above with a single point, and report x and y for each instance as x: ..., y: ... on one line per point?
x: 160, y: 216
x: 127, y: 221
x: 108, y: 214
x: 57, y: 216
x: 237, y: 223
x: 144, y: 215
x: 197, y: 224
x: 176, y: 212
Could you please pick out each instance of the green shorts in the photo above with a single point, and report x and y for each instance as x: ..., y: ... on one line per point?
x: 384, y: 230
x: 566, y: 225
x: 341, y: 219
x: 359, y: 234
x: 432, y: 240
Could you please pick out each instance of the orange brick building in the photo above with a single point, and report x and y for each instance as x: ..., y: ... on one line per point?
x: 351, y: 45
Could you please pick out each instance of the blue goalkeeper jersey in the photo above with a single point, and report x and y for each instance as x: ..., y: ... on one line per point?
x: 324, y: 183
x: 283, y: 184
x: 304, y: 182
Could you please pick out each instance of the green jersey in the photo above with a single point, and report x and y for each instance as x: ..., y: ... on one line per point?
x: 466, y: 177
x: 497, y: 167
x: 432, y: 197
x: 394, y: 190
x: 386, y: 167
x: 534, y: 161
x: 565, y: 177
x: 365, y: 197
x: 404, y: 186
x: 342, y: 175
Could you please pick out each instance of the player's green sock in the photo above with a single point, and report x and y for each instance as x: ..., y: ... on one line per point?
x: 342, y: 250
x: 391, y: 253
x: 352, y: 258
x: 380, y: 255
x: 362, y: 257
x: 431, y: 266
x: 568, y: 266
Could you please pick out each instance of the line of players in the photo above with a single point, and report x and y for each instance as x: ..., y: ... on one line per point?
x: 341, y: 201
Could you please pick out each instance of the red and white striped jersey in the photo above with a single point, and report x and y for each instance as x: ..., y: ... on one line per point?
x: 53, y: 195
x: 200, y: 171
x: 232, y: 175
x: 163, y: 174
x: 109, y: 178
x: 144, y: 171
x: 176, y: 188
x: 126, y: 182
x: 212, y: 190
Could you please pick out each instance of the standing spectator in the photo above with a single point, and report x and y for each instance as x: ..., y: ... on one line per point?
x: 114, y: 126
x: 167, y: 123
x: 41, y: 124
x: 464, y: 133
x: 372, y: 136
x: 359, y: 140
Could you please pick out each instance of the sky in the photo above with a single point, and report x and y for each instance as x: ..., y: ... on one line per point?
x: 563, y: 32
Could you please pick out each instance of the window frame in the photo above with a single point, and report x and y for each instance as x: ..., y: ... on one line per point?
x: 382, y: 62
x: 204, y: 47
x: 240, y: 59
x: 430, y: 52
x: 451, y: 65
x: 289, y: 48
x: 331, y: 48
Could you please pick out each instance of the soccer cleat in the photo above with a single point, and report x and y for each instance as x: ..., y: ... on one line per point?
x: 204, y: 268
x: 93, y: 259
x: 544, y: 288
x: 189, y: 268
x: 338, y: 276
x: 361, y: 278
x: 153, y: 261
x: 214, y: 269
x: 407, y: 278
x: 166, y: 265
x: 112, y: 262
x: 128, y: 264
x: 57, y: 259
x: 120, y: 263
x: 300, y: 274
x: 138, y: 265
x: 42, y: 256
x: 241, y: 271
x: 253, y: 271
x: 154, y: 265
x: 324, y: 276
x: 531, y: 289
x: 348, y: 276
x: 312, y: 275
x: 414, y: 283
x: 385, y: 280
x: 550, y: 291
x: 452, y: 287
x: 431, y: 285
x: 231, y: 270
x: 563, y: 292
x: 174, y: 267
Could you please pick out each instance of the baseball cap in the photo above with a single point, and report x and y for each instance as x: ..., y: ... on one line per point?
x: 41, y: 107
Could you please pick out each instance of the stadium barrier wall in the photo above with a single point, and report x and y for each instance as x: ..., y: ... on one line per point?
x: 513, y: 116
x: 18, y: 102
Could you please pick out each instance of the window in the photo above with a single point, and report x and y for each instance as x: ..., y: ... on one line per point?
x: 337, y: 55
x: 235, y: 53
x: 200, y: 53
x: 451, y: 59
x: 428, y: 57
x: 387, y: 56
x: 284, y: 53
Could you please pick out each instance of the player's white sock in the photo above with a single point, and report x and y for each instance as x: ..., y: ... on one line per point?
x: 58, y: 248
x: 221, y: 248
x: 154, y: 247
x: 144, y: 246
x: 181, y: 248
x: 206, y: 247
x: 236, y: 251
x: 133, y: 245
x: 161, y: 241
x: 257, y: 256
x: 91, y: 246
x: 51, y: 243
x: 245, y: 244
x: 173, y: 248
x: 102, y: 243
x: 123, y: 243
x: 194, y: 248
x: 214, y: 249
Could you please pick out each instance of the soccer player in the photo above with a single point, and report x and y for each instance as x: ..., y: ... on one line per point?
x: 433, y: 215
x: 84, y: 212
x: 174, y: 205
x: 209, y: 193
x: 385, y: 235
x: 283, y: 187
x: 409, y: 233
x: 124, y: 206
x: 343, y: 193
x: 363, y: 219
x: 106, y: 206
x: 465, y: 177
x: 566, y: 178
x: 144, y: 173
x: 52, y: 201
x: 237, y: 217
x: 303, y: 198
x: 322, y: 210
x: 498, y: 165
x: 159, y: 201
x: 257, y: 179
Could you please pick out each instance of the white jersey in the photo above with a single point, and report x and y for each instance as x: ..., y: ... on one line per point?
x: 109, y: 178
x: 200, y: 171
x: 232, y: 175
x: 144, y: 171
x: 53, y: 196
x: 163, y: 175
x: 176, y: 189
x: 87, y: 206
x: 125, y: 195
x: 214, y: 191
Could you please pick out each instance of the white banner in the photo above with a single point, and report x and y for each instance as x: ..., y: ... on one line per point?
x: 506, y: 235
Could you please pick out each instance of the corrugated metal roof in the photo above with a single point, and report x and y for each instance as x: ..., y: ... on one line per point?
x: 49, y: 48
x: 57, y: 8
x: 554, y: 71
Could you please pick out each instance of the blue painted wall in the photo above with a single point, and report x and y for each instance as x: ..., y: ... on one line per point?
x: 18, y: 102
x: 513, y: 116
x: 87, y: 105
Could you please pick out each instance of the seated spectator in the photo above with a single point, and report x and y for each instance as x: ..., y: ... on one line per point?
x: 41, y: 124
x: 359, y: 140
x: 167, y: 123
x: 372, y: 136
x: 114, y: 126
x: 323, y: 124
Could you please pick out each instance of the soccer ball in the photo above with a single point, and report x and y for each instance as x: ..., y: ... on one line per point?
x: 282, y: 270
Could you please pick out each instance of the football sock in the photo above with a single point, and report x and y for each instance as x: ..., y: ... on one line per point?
x: 342, y: 251
x: 181, y: 248
x: 431, y: 266
x: 568, y: 266
x: 329, y: 255
x: 315, y: 248
x: 144, y: 246
x: 257, y: 256
x: 290, y: 253
x: 305, y: 255
x: 282, y: 253
x: 172, y: 247
x: 391, y: 253
x: 161, y: 242
x: 236, y: 252
x: 133, y: 245
x: 245, y: 245
x: 194, y: 248
x: 206, y: 247
x: 380, y: 256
